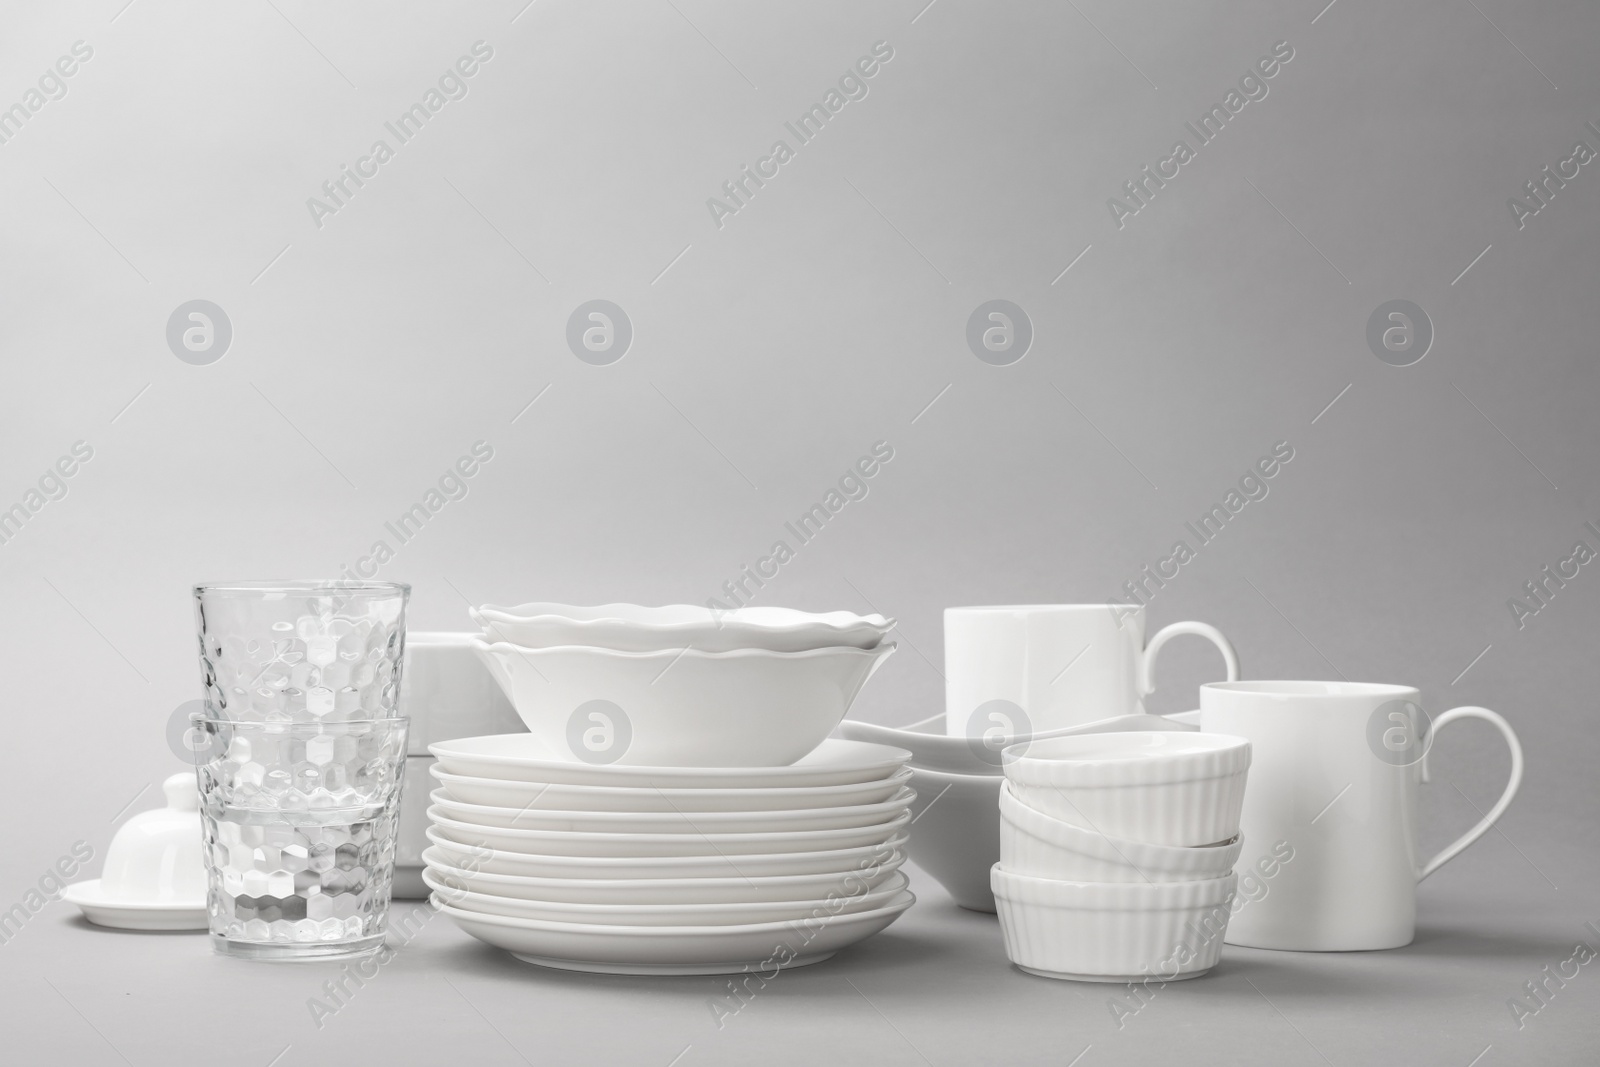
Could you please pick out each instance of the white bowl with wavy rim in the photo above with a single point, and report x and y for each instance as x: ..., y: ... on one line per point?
x: 763, y: 948
x: 713, y: 823
x: 963, y: 755
x: 1041, y: 846
x: 1182, y: 789
x: 1113, y: 931
x: 635, y: 628
x: 658, y: 914
x: 578, y: 843
x: 750, y: 707
x: 525, y: 758
x: 867, y: 873
x: 630, y: 868
x: 543, y: 796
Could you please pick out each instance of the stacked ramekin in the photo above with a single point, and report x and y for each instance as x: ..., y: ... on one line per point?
x: 1117, y: 853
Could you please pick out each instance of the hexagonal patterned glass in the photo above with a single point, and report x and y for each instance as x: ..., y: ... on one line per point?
x: 299, y: 825
x: 301, y: 651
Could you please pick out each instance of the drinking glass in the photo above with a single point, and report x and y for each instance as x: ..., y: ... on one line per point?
x: 301, y: 651
x: 299, y: 824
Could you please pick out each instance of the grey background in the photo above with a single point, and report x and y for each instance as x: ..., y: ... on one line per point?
x: 769, y: 354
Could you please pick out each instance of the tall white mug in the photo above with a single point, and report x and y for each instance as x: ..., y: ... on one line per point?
x: 1012, y: 671
x: 1333, y: 787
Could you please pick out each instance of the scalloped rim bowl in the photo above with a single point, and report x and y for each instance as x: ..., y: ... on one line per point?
x: 636, y: 628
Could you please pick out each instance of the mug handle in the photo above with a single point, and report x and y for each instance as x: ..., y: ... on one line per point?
x: 1454, y: 849
x: 1178, y: 629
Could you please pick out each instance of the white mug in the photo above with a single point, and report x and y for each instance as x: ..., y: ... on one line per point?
x: 1333, y: 786
x: 1024, y: 669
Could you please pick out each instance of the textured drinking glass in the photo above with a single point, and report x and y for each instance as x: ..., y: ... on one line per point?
x: 301, y: 651
x: 299, y: 824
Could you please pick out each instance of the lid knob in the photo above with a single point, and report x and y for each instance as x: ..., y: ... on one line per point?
x: 183, y: 791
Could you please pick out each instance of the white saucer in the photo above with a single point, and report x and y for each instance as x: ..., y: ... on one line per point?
x: 135, y: 914
x: 661, y: 950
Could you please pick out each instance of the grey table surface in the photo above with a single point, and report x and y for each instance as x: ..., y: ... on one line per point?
x: 935, y: 988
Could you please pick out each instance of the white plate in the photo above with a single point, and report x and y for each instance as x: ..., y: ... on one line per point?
x: 578, y: 843
x: 541, y: 796
x: 748, y: 707
x: 524, y: 758
x: 765, y: 948
x: 632, y: 628
x: 676, y: 822
x: 755, y: 865
x: 132, y: 914
x: 721, y: 914
x: 867, y: 873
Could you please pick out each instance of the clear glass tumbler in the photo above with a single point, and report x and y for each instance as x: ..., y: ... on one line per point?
x: 301, y: 651
x: 299, y: 825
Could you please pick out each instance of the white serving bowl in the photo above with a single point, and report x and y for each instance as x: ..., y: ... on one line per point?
x: 633, y: 628
x: 838, y: 861
x: 713, y: 823
x: 964, y: 755
x: 1113, y: 932
x: 657, y: 914
x: 1160, y: 788
x: 542, y: 796
x: 746, y: 708
x: 525, y: 758
x: 956, y: 836
x: 1041, y: 846
x: 730, y: 890
x: 578, y: 843
x: 763, y: 948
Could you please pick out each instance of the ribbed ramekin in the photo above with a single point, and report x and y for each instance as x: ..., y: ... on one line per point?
x: 1111, y: 932
x: 1042, y: 846
x: 1159, y: 788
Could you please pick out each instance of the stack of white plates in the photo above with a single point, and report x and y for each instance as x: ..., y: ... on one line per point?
x: 668, y: 870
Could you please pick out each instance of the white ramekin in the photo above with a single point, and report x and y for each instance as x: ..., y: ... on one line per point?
x: 1113, y: 932
x: 1042, y: 846
x: 1182, y: 789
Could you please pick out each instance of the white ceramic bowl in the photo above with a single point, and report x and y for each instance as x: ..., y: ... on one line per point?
x: 524, y: 758
x: 1042, y: 846
x: 839, y: 861
x: 1113, y: 932
x: 763, y: 948
x: 632, y: 628
x: 1160, y: 788
x: 713, y: 823
x: 655, y: 914
x: 577, y: 843
x: 541, y: 796
x: 734, y: 890
x: 446, y: 692
x: 956, y: 832
x: 746, y: 708
x: 963, y: 755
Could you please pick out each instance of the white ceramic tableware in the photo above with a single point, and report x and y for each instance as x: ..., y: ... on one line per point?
x: 541, y: 796
x: 411, y: 838
x: 1160, y: 788
x: 762, y: 948
x: 748, y: 707
x: 956, y: 836
x: 711, y: 823
x: 1113, y: 932
x: 656, y: 914
x: 447, y: 692
x: 633, y: 628
x: 1336, y: 770
x: 154, y: 877
x: 729, y: 890
x: 1026, y: 669
x: 524, y: 758
x: 577, y: 843
x: 1041, y: 846
x: 754, y: 865
x: 937, y: 751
